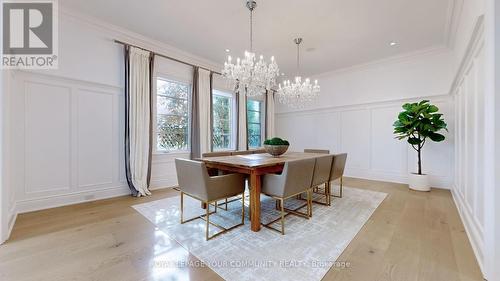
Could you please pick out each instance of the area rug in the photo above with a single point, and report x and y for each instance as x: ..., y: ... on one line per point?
x: 309, y: 248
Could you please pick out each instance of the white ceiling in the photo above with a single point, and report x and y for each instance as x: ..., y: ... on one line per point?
x: 337, y: 33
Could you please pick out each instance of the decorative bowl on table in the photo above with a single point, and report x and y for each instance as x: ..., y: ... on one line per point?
x: 276, y: 146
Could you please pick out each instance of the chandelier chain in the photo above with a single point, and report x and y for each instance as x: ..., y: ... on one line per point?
x: 251, y: 75
x: 251, y: 30
x: 298, y: 58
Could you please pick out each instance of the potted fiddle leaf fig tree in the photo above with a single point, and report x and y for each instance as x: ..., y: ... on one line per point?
x: 418, y: 123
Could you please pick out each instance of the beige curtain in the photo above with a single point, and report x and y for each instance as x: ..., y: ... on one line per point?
x: 138, y: 130
x: 242, y: 121
x: 270, y: 129
x: 204, y: 109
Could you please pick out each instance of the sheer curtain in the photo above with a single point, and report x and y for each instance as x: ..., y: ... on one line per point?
x: 270, y: 129
x: 138, y: 119
x: 242, y: 121
x: 205, y: 109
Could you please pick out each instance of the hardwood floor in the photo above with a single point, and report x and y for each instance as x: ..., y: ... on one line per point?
x: 411, y: 236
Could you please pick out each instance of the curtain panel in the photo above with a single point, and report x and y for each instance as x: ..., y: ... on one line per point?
x: 242, y: 121
x: 138, y: 119
x: 270, y: 111
x: 201, y: 113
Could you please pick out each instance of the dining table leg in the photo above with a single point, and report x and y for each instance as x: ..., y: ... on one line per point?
x: 255, y: 185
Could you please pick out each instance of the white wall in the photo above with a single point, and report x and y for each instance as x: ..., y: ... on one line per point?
x: 356, y: 110
x: 66, y: 125
x: 423, y: 73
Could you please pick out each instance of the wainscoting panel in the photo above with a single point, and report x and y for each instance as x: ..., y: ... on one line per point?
x: 355, y: 137
x: 47, y: 129
x: 382, y: 137
x: 468, y: 191
x: 68, y: 135
x: 95, y: 138
x: 365, y: 132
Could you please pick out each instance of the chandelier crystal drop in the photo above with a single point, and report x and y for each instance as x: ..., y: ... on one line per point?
x: 295, y: 94
x: 254, y: 76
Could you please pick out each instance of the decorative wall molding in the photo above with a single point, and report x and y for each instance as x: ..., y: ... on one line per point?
x: 364, y: 131
x: 475, y: 39
x: 95, y: 134
x: 469, y: 92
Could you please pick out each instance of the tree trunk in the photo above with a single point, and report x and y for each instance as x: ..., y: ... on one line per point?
x: 419, y: 160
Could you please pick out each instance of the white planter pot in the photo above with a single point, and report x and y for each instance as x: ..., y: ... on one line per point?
x: 419, y: 182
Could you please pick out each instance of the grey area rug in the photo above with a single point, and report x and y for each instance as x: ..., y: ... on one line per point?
x: 306, y: 252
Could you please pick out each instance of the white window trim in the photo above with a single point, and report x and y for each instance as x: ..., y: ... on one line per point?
x: 170, y: 78
x: 262, y: 122
x: 232, y: 114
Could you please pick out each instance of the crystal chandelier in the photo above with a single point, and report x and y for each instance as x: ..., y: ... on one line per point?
x: 295, y: 94
x: 248, y: 74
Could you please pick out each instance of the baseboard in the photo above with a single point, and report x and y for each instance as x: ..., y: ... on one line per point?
x: 29, y: 205
x: 12, y: 217
x: 472, y: 232
x: 436, y: 181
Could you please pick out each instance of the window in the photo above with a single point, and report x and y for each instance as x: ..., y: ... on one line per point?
x: 224, y: 121
x: 254, y: 122
x: 172, y: 115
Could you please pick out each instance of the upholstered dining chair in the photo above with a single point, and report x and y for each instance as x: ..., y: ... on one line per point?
x: 257, y: 151
x: 295, y: 179
x: 195, y: 182
x: 241, y: 152
x: 323, y: 151
x: 337, y: 172
x: 321, y: 176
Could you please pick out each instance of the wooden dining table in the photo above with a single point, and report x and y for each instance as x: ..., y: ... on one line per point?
x: 255, y: 165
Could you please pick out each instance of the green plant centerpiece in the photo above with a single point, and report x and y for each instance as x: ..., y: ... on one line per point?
x: 276, y: 146
x: 418, y: 123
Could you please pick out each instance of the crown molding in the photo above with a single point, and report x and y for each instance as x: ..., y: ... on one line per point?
x: 131, y: 37
x: 389, y: 60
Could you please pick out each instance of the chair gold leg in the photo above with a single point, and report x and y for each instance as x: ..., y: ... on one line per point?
x: 340, y: 189
x: 182, y: 207
x: 341, y: 186
x: 208, y: 221
x: 242, y: 209
x: 282, y: 205
x: 309, y: 203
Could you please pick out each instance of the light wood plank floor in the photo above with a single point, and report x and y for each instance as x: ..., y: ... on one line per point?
x: 411, y: 236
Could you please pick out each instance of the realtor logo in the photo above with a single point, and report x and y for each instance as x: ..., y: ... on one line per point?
x: 29, y: 35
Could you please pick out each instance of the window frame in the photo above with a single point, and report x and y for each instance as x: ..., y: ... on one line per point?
x: 262, y: 112
x: 232, y: 117
x: 172, y: 79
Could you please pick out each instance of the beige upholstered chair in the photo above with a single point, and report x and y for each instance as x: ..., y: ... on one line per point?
x: 241, y: 152
x: 295, y: 179
x: 322, y: 169
x: 337, y: 172
x: 323, y: 151
x: 195, y: 182
x: 216, y: 154
x: 257, y: 151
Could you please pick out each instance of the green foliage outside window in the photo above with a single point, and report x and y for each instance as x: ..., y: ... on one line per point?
x: 172, y: 115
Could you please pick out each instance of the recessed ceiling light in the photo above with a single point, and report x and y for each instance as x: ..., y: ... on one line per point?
x: 393, y: 43
x: 227, y: 50
x: 282, y: 74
